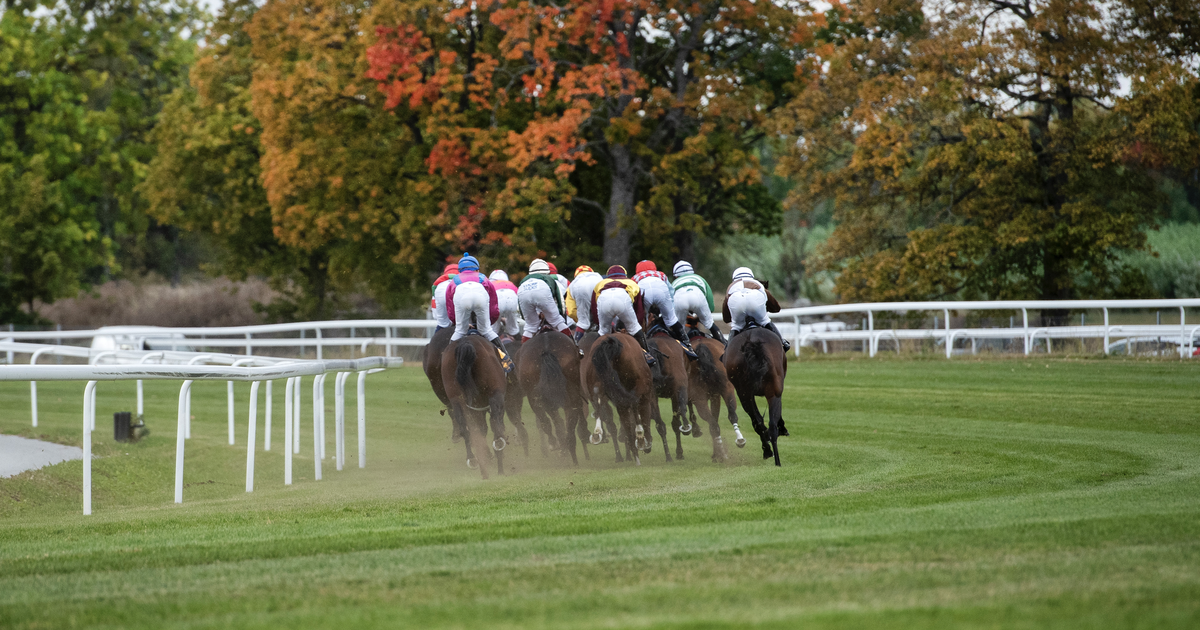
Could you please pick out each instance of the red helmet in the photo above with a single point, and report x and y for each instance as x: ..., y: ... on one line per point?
x: 553, y: 269
x: 451, y: 268
x: 646, y: 265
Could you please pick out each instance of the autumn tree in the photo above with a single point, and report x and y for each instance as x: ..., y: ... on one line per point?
x: 642, y: 114
x: 984, y: 151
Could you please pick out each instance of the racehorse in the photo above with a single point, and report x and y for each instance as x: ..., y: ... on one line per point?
x: 670, y: 375
x: 548, y: 369
x: 757, y: 366
x: 614, y: 370
x: 475, y: 384
x: 432, y: 363
x: 708, y: 384
x: 514, y: 394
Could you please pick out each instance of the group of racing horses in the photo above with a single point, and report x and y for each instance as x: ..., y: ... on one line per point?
x: 469, y: 379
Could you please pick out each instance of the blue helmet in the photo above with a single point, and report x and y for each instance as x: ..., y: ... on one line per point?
x: 468, y: 263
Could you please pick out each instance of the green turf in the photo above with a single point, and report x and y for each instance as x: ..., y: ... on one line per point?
x: 914, y: 493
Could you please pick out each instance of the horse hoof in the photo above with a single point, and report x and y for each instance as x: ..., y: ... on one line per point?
x: 649, y: 447
x: 472, y: 464
x: 686, y: 429
x: 499, y: 443
x: 741, y: 442
x: 596, y: 438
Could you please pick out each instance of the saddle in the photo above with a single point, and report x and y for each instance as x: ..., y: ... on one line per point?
x: 505, y: 360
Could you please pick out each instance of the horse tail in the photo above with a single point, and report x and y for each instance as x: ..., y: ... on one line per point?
x: 603, y: 359
x: 710, y: 376
x: 552, y: 383
x: 465, y: 356
x: 756, y: 361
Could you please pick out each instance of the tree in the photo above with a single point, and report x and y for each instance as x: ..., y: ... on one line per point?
x: 80, y: 83
x: 983, y: 153
x: 597, y: 104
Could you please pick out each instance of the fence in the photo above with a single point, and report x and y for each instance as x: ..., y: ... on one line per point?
x: 1181, y: 334
x: 292, y: 371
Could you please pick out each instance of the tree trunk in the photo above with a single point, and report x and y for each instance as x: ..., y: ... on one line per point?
x: 617, y: 223
x: 685, y: 239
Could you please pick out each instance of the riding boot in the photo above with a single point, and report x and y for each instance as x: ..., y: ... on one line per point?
x: 716, y: 334
x: 771, y: 327
x: 505, y: 359
x: 681, y: 337
x: 641, y: 339
x: 579, y: 333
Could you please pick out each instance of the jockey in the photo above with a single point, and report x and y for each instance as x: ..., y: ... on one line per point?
x: 563, y: 286
x: 471, y: 293
x: 693, y: 295
x: 539, y: 295
x: 656, y: 291
x: 748, y: 300
x: 579, y: 299
x: 618, y: 297
x: 439, y: 295
x: 506, y: 296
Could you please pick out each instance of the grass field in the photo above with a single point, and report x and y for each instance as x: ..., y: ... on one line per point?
x: 915, y: 493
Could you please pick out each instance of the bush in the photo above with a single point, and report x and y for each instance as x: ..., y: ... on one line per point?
x: 1175, y: 271
x: 216, y: 302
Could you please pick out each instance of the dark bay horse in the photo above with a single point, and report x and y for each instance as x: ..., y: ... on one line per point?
x: 475, y: 384
x: 708, y: 385
x: 614, y: 371
x: 670, y: 375
x: 431, y: 361
x: 548, y: 369
x: 757, y: 366
x: 514, y: 395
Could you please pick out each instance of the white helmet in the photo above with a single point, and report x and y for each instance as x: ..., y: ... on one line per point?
x: 743, y: 273
x: 499, y: 275
x: 681, y: 268
x: 539, y: 266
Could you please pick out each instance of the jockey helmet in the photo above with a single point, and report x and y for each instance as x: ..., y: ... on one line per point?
x: 682, y: 268
x: 450, y: 269
x: 468, y: 263
x: 553, y: 269
x: 583, y: 269
x: 499, y: 275
x: 616, y: 271
x: 646, y: 265
x: 539, y: 266
x: 743, y: 273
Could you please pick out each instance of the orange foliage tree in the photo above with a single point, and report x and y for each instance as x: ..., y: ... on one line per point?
x: 620, y: 116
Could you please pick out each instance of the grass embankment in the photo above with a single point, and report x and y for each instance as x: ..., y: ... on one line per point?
x: 1002, y: 493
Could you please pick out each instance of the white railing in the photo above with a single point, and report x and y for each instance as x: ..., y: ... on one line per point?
x: 293, y: 371
x: 310, y: 335
x: 1182, y: 334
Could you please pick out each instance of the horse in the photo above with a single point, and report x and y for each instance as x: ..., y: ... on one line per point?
x: 514, y: 394
x: 757, y: 366
x: 432, y: 364
x: 614, y: 370
x: 708, y: 384
x: 548, y: 369
x: 475, y: 384
x: 670, y: 373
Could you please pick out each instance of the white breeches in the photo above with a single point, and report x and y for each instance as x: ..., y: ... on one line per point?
x: 508, y: 312
x: 439, y: 305
x: 470, y: 298
x: 582, y: 291
x: 692, y: 300
x: 747, y: 306
x: 615, y: 304
x: 536, y: 299
x: 655, y: 292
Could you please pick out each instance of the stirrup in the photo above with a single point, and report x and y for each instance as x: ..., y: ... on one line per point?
x: 505, y: 361
x: 650, y: 360
x: 688, y: 350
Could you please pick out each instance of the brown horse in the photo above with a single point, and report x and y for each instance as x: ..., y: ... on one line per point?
x: 475, y: 384
x: 670, y: 381
x: 548, y: 368
x: 514, y: 395
x: 757, y: 366
x: 708, y: 384
x: 432, y: 363
x: 614, y: 370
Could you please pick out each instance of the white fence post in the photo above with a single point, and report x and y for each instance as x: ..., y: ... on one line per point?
x: 89, y: 411
x: 362, y: 420
x: 252, y: 426
x: 318, y: 436
x: 229, y: 406
x: 339, y: 419
x: 287, y: 431
x: 181, y: 435
x: 949, y: 339
x: 267, y: 424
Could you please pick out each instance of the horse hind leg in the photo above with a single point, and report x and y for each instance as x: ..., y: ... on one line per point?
x: 756, y: 419
x: 499, y: 441
x: 775, y: 413
x: 662, y: 433
x: 710, y: 412
x: 513, y: 409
